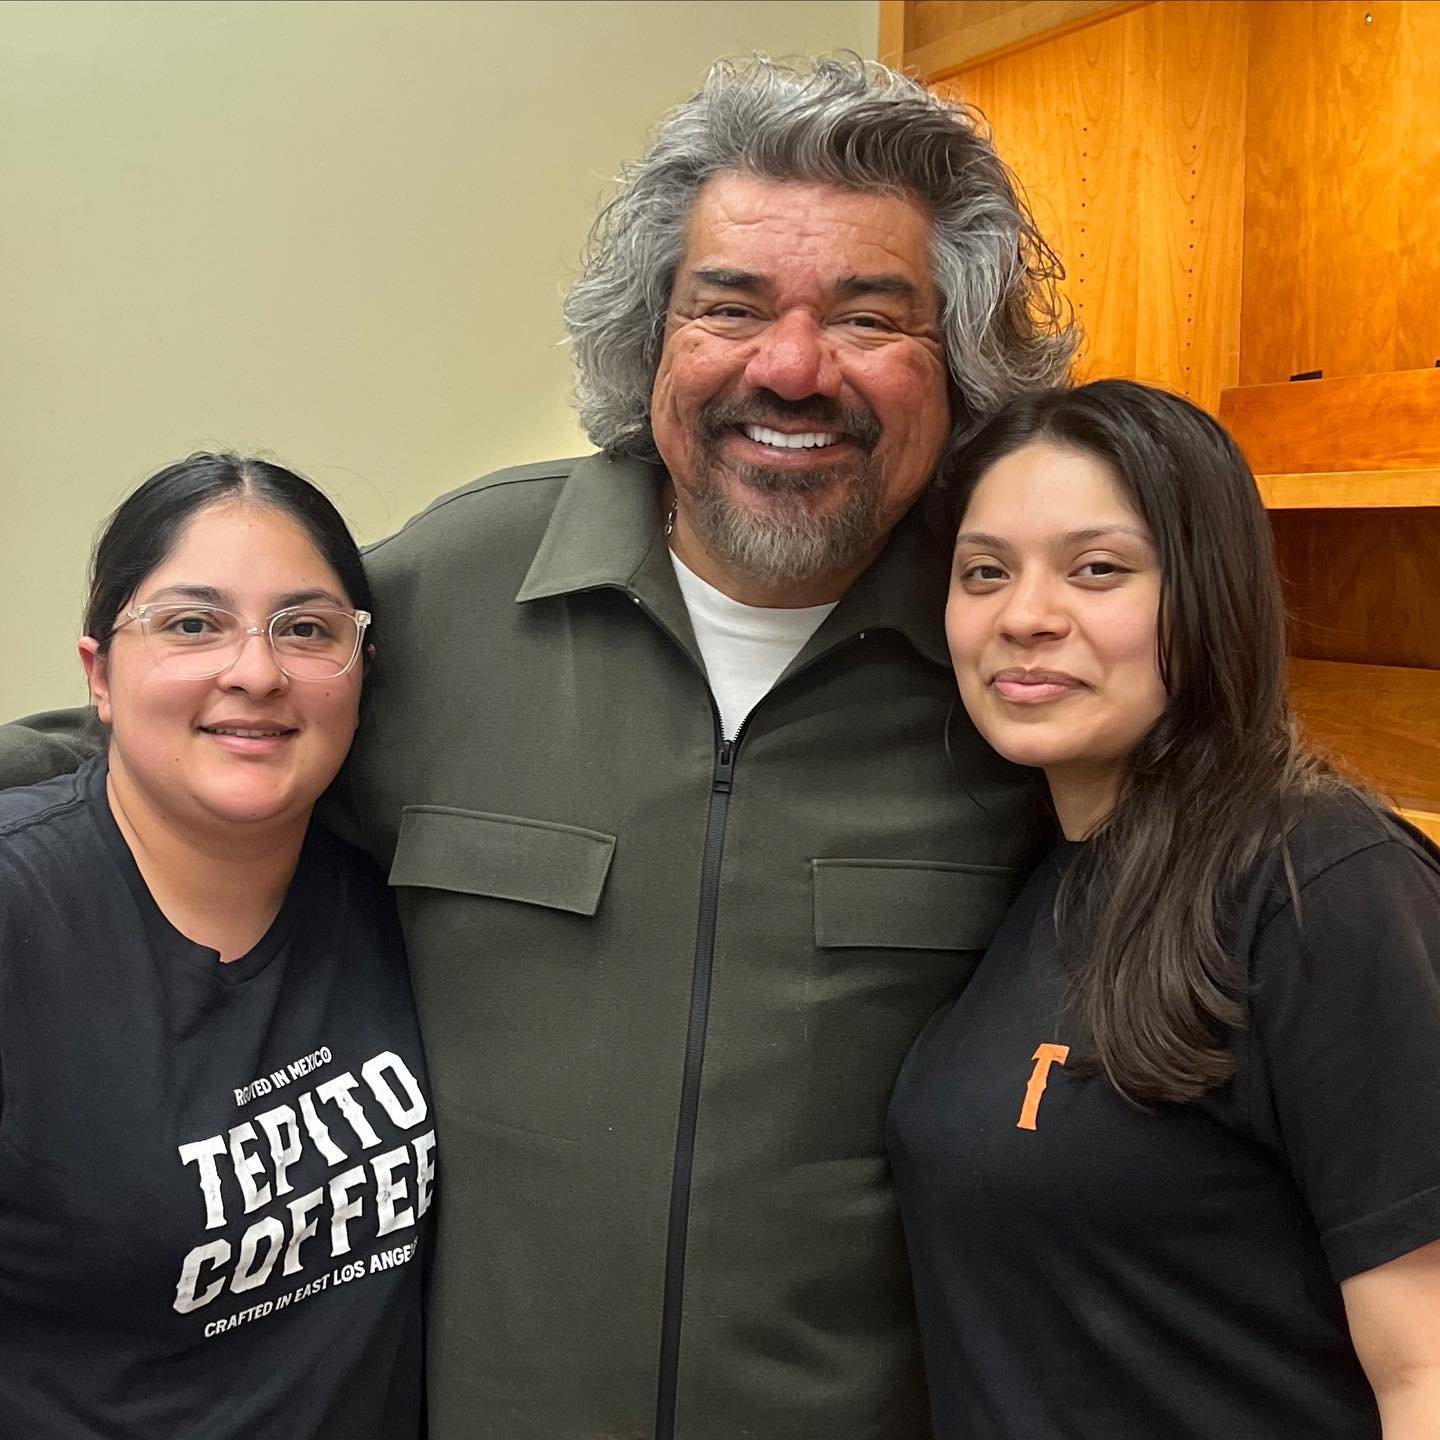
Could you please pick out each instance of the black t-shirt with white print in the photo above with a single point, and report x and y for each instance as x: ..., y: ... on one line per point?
x: 1086, y: 1269
x: 213, y: 1178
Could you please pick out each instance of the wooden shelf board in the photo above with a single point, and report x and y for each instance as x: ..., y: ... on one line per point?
x: 1016, y: 28
x: 1351, y: 489
x: 1380, y: 721
x: 1426, y: 820
x: 1384, y: 421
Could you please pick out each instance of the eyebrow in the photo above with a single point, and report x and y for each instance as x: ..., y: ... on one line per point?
x: 304, y: 597
x: 856, y: 285
x: 209, y: 595
x: 200, y: 594
x: 849, y: 287
x: 725, y: 279
x: 1070, y: 537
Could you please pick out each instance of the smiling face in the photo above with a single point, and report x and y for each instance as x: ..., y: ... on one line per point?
x: 1052, y: 618
x: 248, y: 748
x: 801, y: 402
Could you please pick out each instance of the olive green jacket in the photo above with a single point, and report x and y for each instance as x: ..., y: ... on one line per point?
x: 666, y: 983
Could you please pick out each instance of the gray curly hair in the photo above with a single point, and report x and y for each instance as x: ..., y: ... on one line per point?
x: 844, y: 122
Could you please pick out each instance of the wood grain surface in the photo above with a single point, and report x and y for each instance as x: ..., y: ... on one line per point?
x: 1134, y: 167
x: 1417, y: 333
x: 1362, y: 585
x: 1342, y: 189
x: 1351, y: 489
x: 1379, y: 723
x: 942, y: 35
x: 1426, y: 820
x: 893, y: 20
x: 1386, y: 421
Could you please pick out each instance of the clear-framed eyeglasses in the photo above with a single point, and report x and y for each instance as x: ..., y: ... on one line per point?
x: 195, y: 642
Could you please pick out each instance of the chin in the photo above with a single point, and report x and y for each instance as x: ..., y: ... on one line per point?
x: 244, y: 809
x: 1034, y: 751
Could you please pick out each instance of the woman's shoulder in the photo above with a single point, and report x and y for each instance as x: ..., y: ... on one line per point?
x: 41, y: 810
x: 1340, y: 836
x: 52, y: 851
x: 1328, y: 826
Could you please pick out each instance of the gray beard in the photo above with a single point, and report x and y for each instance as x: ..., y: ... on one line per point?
x: 787, y: 542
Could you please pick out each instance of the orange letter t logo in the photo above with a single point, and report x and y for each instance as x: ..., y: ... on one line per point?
x: 1044, y: 1057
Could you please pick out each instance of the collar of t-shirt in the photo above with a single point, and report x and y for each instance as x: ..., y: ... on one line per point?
x: 745, y: 647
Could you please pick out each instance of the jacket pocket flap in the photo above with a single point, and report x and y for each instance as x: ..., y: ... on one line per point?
x: 910, y: 904
x: 504, y: 856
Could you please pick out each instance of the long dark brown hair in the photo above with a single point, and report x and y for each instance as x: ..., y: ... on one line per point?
x: 1149, y: 912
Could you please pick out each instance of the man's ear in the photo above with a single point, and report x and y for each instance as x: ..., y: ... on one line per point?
x: 98, y: 676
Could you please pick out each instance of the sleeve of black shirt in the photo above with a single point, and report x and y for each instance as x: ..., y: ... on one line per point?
x: 1346, y: 1029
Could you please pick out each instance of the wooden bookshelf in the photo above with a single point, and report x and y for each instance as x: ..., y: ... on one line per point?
x: 1350, y: 469
x: 1240, y: 191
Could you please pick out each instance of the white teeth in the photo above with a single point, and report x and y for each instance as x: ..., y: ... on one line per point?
x: 243, y: 734
x: 810, y: 440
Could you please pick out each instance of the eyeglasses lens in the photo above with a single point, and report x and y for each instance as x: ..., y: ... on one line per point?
x: 196, y: 641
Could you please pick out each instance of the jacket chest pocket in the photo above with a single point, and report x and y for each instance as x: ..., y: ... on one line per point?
x: 533, y: 862
x: 500, y: 919
x: 893, y: 939
x: 910, y: 904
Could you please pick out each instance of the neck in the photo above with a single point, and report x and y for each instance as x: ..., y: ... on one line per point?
x: 217, y: 888
x: 1083, y: 797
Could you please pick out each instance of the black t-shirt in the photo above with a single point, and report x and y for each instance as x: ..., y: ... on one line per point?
x: 1086, y: 1269
x: 213, y: 1177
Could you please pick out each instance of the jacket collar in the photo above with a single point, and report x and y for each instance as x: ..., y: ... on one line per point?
x: 608, y: 532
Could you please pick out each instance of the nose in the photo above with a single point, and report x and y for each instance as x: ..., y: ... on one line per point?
x: 255, y: 669
x: 793, y: 357
x: 1034, y: 610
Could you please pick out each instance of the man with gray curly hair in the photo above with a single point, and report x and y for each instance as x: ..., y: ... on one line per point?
x: 662, y: 752
x: 837, y: 260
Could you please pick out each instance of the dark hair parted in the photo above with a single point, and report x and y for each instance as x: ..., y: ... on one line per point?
x: 148, y: 523
x: 841, y: 122
x: 1148, y: 913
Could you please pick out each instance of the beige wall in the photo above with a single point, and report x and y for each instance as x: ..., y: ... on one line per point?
x: 335, y: 232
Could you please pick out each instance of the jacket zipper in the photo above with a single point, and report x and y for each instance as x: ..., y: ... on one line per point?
x: 678, y: 1224
x: 677, y: 1232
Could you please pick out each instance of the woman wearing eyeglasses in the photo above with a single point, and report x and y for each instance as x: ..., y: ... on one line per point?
x: 216, y: 1145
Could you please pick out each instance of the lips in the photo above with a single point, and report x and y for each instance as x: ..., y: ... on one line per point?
x: 249, y: 732
x: 1030, y: 687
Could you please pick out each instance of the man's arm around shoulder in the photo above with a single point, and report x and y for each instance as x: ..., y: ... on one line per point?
x: 54, y: 742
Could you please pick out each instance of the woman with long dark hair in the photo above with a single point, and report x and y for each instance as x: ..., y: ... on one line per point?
x: 1169, y: 1164
x: 216, y: 1146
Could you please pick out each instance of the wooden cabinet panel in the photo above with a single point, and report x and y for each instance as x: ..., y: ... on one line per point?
x: 1417, y: 330
x: 1377, y: 722
x: 1078, y: 163
x: 1362, y: 585
x: 1327, y: 135
x: 1133, y: 165
x: 1191, y: 203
